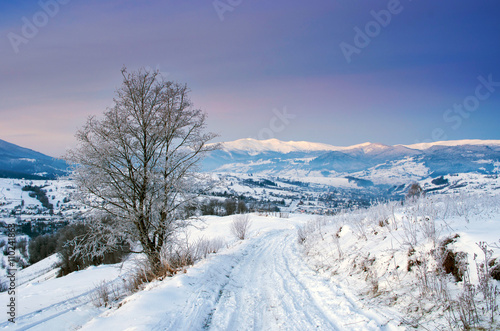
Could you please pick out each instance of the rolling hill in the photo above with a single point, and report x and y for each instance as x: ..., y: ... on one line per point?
x: 20, y: 162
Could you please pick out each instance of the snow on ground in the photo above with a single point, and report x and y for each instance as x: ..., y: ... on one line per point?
x: 11, y: 194
x: 396, y: 172
x: 337, y: 182
x: 465, y: 183
x: 39, y: 272
x: 405, y: 257
x: 260, y: 283
x: 60, y: 303
x: 359, y: 270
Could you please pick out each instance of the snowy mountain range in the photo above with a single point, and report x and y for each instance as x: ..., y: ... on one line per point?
x: 377, y: 163
x: 367, y: 163
x: 20, y: 162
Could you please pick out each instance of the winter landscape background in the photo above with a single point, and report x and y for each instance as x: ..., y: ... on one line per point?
x: 356, y: 186
x: 331, y: 244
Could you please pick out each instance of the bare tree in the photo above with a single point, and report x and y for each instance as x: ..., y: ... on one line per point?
x: 415, y: 191
x: 137, y: 164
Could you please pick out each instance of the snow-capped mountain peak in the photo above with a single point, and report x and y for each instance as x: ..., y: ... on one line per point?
x: 366, y: 147
x: 254, y: 146
x: 452, y: 143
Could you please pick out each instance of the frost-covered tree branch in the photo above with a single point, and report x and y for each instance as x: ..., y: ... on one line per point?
x: 138, y: 162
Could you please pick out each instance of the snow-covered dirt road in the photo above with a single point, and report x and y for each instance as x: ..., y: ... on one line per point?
x: 260, y: 284
x: 272, y: 288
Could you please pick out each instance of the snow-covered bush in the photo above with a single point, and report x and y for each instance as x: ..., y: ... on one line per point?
x: 203, y: 247
x: 240, y: 226
x: 174, y: 258
x: 105, y: 294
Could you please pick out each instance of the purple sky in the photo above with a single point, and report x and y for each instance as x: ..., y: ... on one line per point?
x: 292, y: 70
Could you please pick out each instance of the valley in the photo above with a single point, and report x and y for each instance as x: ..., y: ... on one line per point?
x: 340, y: 219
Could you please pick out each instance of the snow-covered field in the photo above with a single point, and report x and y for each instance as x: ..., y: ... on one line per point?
x: 380, y: 268
x: 261, y: 283
x: 11, y: 193
x: 423, y: 259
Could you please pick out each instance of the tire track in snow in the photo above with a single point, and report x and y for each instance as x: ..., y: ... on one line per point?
x: 260, y: 284
x: 54, y: 310
x: 206, y: 291
x: 271, y: 288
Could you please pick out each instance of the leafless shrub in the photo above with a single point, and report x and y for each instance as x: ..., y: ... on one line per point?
x: 359, y: 227
x: 379, y: 214
x: 423, y: 275
x: 105, y: 294
x: 410, y: 230
x: 302, y: 234
x: 465, y: 306
x: 371, y: 274
x: 428, y: 228
x: 419, y: 222
x: 313, y: 226
x: 485, y: 286
x: 475, y: 302
x: 179, y: 258
x: 203, y: 247
x: 336, y: 241
x: 174, y: 259
x: 143, y: 273
x: 383, y: 222
x: 240, y: 226
x: 183, y: 254
x: 137, y: 278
